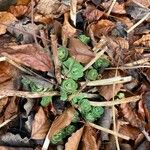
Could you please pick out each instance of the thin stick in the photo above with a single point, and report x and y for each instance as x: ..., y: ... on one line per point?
x: 138, y: 23
x: 55, y: 56
x: 111, y: 7
x: 2, y: 58
x: 98, y: 55
x: 109, y: 131
x: 7, y: 121
x: 116, y: 102
x: 138, y: 62
x: 108, y: 81
x: 146, y: 135
x: 73, y: 10
x: 46, y: 143
x: 6, y: 93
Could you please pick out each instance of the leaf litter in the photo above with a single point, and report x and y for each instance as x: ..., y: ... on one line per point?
x: 58, y: 82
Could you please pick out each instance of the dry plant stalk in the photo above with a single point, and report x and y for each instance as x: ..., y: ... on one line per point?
x: 109, y: 131
x: 6, y: 93
x: 111, y: 7
x: 55, y: 56
x: 73, y: 9
x: 109, y: 81
x: 116, y: 102
x: 98, y: 55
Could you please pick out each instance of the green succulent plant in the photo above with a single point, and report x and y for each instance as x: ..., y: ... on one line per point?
x: 72, y: 69
x: 85, y: 106
x: 69, y: 129
x: 101, y: 63
x: 91, y: 74
x: 97, y: 111
x: 62, y: 53
x: 58, y: 137
x: 46, y: 101
x: 90, y: 117
x: 84, y: 39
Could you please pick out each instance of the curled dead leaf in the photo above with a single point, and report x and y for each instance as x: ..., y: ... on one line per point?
x: 102, y: 27
x: 29, y: 55
x: 74, y: 140
x: 6, y: 18
x: 18, y: 11
x: 40, y: 125
x: 61, y: 122
x: 80, y: 51
x: 144, y: 41
x: 89, y: 139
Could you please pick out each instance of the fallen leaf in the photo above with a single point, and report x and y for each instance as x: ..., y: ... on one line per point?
x: 89, y: 139
x: 126, y: 21
x: 61, y: 122
x: 80, y: 51
x: 142, y: 3
x: 129, y: 131
x: 102, y: 27
x: 6, y: 18
x: 23, y: 2
x: 18, y: 11
x: 40, y: 125
x: 67, y: 30
x: 5, y: 4
x: 118, y: 8
x: 3, y: 103
x: 144, y: 41
x: 91, y: 13
x: 14, y: 148
x: 73, y: 141
x: 29, y: 55
x: 106, y: 91
x: 48, y: 7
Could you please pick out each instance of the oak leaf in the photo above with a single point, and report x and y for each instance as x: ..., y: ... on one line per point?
x: 40, y: 125
x: 29, y: 55
x: 80, y: 51
x: 73, y: 141
x: 6, y: 18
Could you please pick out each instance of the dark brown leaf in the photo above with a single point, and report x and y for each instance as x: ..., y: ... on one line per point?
x: 80, y: 51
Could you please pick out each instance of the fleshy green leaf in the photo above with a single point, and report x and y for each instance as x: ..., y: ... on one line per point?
x: 46, y: 100
x: 90, y: 117
x: 62, y: 53
x: 97, y: 111
x: 85, y: 106
x: 84, y: 39
x: 92, y: 74
x: 69, y: 129
x: 101, y: 63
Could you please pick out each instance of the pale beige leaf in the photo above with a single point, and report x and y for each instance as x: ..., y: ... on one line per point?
x: 40, y: 125
x: 5, y: 18
x: 74, y: 140
x: 61, y: 122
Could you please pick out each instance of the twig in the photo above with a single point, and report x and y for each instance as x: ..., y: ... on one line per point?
x: 109, y: 81
x: 5, y: 93
x: 46, y: 143
x: 111, y: 7
x: 55, y: 57
x: 2, y: 58
x: 138, y: 23
x: 7, y: 121
x: 98, y: 55
x: 138, y: 62
x: 116, y: 102
x: 109, y: 131
x: 146, y: 135
x: 73, y: 10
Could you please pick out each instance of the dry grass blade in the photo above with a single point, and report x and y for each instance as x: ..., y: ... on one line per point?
x: 111, y: 7
x: 98, y: 55
x: 24, y: 94
x: 7, y: 121
x: 109, y: 81
x: 138, y: 23
x: 73, y: 9
x: 116, y: 102
x: 109, y: 131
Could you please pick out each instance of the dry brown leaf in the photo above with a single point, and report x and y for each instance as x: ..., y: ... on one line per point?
x: 3, y: 103
x: 144, y: 41
x: 18, y: 11
x: 89, y: 139
x: 67, y: 30
x: 80, y: 51
x: 40, y: 125
x: 126, y: 21
x: 6, y: 18
x: 142, y: 3
x: 48, y: 7
x: 131, y: 116
x: 29, y: 55
x: 23, y: 2
x: 106, y: 91
x: 129, y: 131
x: 118, y: 8
x: 61, y: 122
x: 74, y: 140
x: 92, y: 14
x: 102, y: 27
x: 14, y: 148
